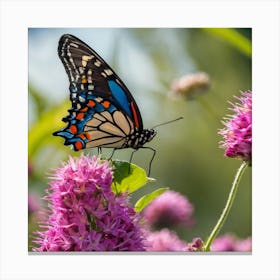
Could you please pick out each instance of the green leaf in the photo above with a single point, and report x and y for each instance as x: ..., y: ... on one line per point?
x: 148, y: 198
x: 40, y: 100
x: 234, y: 38
x: 128, y: 177
x: 41, y: 132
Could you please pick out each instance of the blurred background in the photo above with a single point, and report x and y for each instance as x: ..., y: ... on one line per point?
x: 151, y: 62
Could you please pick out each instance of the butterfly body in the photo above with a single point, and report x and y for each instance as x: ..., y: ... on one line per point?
x: 103, y: 113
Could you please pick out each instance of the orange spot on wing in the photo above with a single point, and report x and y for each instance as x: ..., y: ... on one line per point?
x: 80, y: 116
x: 84, y: 135
x: 84, y: 79
x: 78, y: 145
x: 73, y: 129
x: 84, y: 109
x: 106, y: 104
x: 134, y: 113
x: 91, y: 103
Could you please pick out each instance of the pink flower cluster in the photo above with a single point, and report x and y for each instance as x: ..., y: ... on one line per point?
x: 168, y: 210
x: 85, y: 215
x: 190, y: 85
x: 164, y: 241
x: 237, y: 133
x: 229, y: 242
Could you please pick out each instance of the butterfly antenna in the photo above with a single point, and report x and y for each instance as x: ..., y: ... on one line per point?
x: 167, y: 122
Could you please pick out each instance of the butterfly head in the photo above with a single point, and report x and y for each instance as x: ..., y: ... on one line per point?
x: 147, y: 136
x: 151, y: 133
x: 139, y: 138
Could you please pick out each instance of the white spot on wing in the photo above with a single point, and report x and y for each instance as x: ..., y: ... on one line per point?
x: 81, y: 99
x: 99, y: 99
x: 77, y: 77
x: 108, y: 72
x: 74, y: 45
x: 85, y: 59
x: 97, y: 63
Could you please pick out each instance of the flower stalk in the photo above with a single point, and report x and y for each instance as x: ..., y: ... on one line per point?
x: 227, y: 208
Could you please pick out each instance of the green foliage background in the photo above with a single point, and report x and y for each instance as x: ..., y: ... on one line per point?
x: 188, y: 157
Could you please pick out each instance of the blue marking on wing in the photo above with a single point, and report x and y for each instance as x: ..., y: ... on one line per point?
x: 75, y: 139
x: 111, y: 109
x: 65, y: 134
x: 98, y: 108
x: 71, y: 138
x: 120, y: 96
x: 73, y: 88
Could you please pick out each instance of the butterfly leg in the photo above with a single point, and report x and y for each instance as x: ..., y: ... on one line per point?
x: 110, y: 158
x: 99, y: 149
x: 130, y: 160
x: 150, y: 164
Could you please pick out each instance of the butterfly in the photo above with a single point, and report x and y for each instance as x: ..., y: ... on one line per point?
x: 104, y: 112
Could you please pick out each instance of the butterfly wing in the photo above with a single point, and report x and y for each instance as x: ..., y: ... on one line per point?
x: 103, y: 110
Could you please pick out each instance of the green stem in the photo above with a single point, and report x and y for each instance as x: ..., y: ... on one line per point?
x: 226, y: 210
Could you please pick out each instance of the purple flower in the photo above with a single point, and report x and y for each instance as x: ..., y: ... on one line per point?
x: 229, y: 242
x: 223, y: 243
x: 85, y: 215
x: 164, y: 241
x: 244, y: 245
x: 190, y: 85
x: 237, y: 133
x: 169, y: 209
x: 195, y: 245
